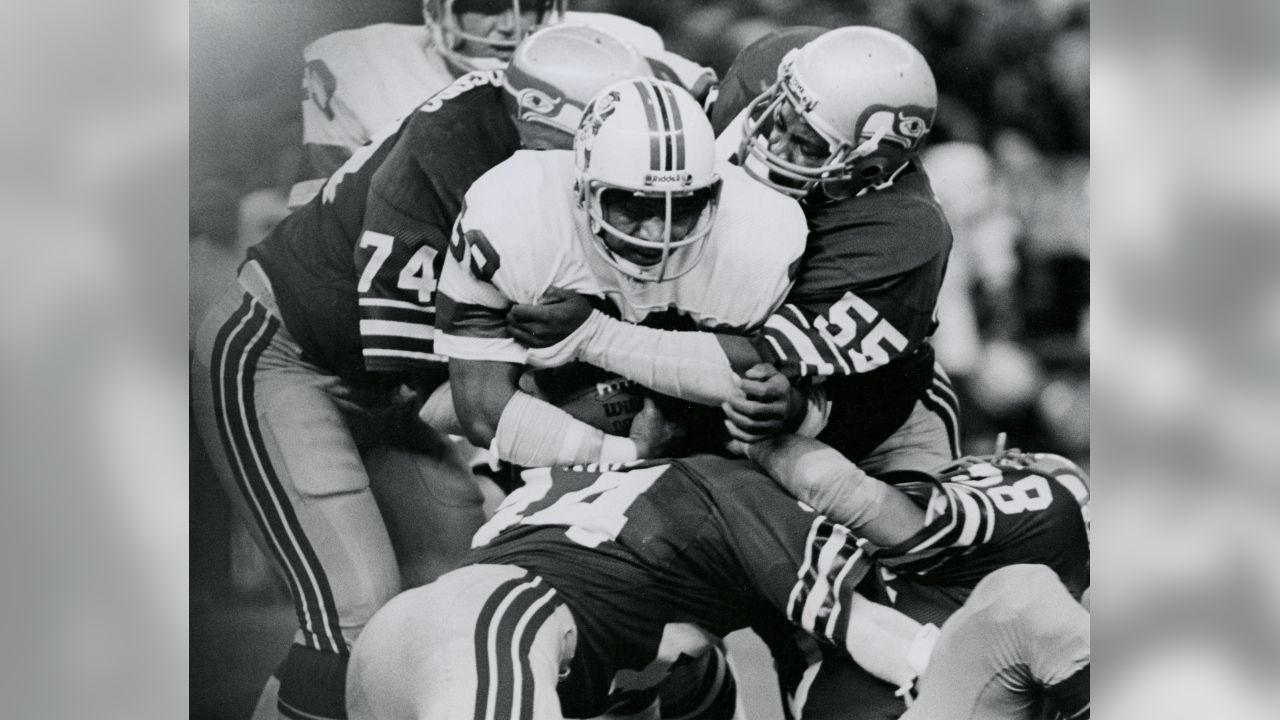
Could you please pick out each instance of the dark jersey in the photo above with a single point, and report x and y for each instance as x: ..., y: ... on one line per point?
x: 354, y: 270
x: 715, y: 543
x: 862, y: 308
x: 705, y: 541
x: 985, y: 514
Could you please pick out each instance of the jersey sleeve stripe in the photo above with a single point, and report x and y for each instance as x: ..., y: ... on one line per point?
x: 397, y: 304
x: 817, y: 605
x: 800, y: 589
x: 797, y: 317
x: 951, y: 522
x: 474, y: 348
x: 407, y: 354
x: 972, y: 518
x: 779, y: 353
x: 400, y: 329
x: 833, y: 623
x: 989, y: 515
x: 1074, y: 485
x: 470, y: 320
x: 833, y: 565
x: 810, y: 360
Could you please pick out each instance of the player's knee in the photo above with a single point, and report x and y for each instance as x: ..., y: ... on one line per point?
x: 1032, y: 599
x: 371, y: 687
x: 313, y: 684
x: 1012, y: 589
x: 312, y: 444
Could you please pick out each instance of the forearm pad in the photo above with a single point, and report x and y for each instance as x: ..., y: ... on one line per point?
x: 535, y: 433
x: 687, y: 365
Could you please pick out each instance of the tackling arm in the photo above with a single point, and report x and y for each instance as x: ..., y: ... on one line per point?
x: 828, y: 482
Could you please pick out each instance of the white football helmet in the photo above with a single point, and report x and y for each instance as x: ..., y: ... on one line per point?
x: 867, y: 92
x: 441, y: 18
x: 554, y: 74
x: 645, y: 146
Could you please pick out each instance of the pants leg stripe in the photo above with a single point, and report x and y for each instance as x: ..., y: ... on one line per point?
x: 484, y: 678
x: 235, y: 360
x: 944, y: 407
x: 226, y: 346
x: 527, y: 632
x: 510, y: 613
x: 942, y: 386
x: 503, y: 646
x: 331, y: 622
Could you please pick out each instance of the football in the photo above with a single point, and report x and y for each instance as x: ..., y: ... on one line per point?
x: 603, y: 400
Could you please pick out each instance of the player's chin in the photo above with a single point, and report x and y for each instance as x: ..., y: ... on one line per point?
x: 483, y: 50
x: 643, y: 258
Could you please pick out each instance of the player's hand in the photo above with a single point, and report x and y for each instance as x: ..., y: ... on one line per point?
x: 765, y: 405
x: 551, y: 320
x: 653, y: 434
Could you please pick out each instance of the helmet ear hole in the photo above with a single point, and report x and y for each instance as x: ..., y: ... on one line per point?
x: 872, y: 170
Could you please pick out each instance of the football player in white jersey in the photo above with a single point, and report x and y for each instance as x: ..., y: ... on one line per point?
x: 640, y: 216
x: 357, y: 81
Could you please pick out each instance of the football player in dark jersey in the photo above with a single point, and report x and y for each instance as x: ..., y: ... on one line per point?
x: 590, y: 576
x: 299, y: 374
x: 839, y: 129
x: 1013, y: 513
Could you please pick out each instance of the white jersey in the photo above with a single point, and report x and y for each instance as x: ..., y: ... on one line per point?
x: 356, y: 82
x: 523, y: 233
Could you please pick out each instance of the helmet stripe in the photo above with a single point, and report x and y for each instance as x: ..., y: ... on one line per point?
x: 677, y: 129
x: 661, y: 96
x: 651, y: 115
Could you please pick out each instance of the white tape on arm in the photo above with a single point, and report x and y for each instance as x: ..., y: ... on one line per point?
x: 535, y: 433
x: 687, y: 365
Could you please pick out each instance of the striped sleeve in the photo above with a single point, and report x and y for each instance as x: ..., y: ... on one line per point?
x: 958, y: 518
x: 471, y: 319
x: 855, y: 334
x: 834, y: 563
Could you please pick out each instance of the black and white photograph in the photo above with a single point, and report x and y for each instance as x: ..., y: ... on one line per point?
x: 640, y: 359
x: 665, y: 360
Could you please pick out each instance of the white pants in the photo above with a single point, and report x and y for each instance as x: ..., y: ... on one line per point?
x: 484, y: 642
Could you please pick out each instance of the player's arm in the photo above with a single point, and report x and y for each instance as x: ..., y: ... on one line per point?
x: 702, y: 367
x: 852, y: 331
x: 809, y: 567
x: 695, y: 366
x: 485, y: 365
x: 827, y: 481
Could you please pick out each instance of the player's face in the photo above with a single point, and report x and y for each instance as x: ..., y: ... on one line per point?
x: 644, y: 217
x: 494, y: 21
x: 794, y: 140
